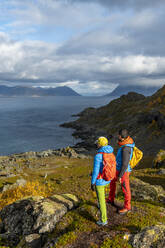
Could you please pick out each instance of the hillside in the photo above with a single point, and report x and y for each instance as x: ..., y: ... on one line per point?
x: 144, y: 117
x: 36, y: 91
x: 122, y: 90
x: 26, y: 178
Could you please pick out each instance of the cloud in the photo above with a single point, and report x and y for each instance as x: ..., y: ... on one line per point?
x: 39, y: 62
x: 126, y: 4
x: 88, y: 45
x: 47, y: 17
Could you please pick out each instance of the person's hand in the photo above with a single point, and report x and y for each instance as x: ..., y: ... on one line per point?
x: 93, y: 187
x: 119, y: 180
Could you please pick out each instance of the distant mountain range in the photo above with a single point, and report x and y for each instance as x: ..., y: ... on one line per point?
x: 36, y: 91
x: 123, y: 90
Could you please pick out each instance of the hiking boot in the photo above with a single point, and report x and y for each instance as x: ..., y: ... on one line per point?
x: 100, y: 223
x: 124, y: 211
x: 112, y: 203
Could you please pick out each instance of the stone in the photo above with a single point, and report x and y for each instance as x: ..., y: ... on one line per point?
x: 33, y: 240
x: 19, y: 182
x: 161, y: 172
x: 149, y: 237
x: 36, y: 215
x: 9, y: 239
x: 30, y: 154
x: 145, y: 191
x: 159, y: 160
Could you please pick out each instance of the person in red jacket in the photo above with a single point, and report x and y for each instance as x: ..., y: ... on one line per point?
x: 123, y: 171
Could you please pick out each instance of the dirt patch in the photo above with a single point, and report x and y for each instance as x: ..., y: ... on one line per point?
x: 99, y: 234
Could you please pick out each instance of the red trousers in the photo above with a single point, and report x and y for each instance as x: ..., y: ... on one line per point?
x: 125, y: 188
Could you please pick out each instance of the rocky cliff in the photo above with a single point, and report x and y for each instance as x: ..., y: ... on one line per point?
x: 144, y: 117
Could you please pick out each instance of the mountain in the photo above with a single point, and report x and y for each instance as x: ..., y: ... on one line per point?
x: 60, y: 91
x: 121, y: 90
x: 144, y: 117
x: 36, y: 91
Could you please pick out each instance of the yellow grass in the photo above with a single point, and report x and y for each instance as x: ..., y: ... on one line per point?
x: 31, y: 188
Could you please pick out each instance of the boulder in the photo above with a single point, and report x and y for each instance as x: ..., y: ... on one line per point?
x: 35, y: 215
x: 145, y: 191
x: 28, y: 155
x: 159, y: 160
x: 44, y: 154
x: 9, y: 239
x: 149, y: 237
x: 161, y: 172
x: 19, y: 182
x: 31, y: 241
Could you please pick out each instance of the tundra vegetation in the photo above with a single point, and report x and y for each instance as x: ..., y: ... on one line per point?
x: 57, y: 175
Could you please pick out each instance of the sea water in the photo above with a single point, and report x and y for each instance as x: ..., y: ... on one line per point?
x: 32, y: 123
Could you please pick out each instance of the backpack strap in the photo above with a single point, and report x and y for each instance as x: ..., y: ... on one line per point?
x: 100, y: 175
x: 130, y: 154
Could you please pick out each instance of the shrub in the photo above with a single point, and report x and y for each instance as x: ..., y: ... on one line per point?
x: 31, y: 188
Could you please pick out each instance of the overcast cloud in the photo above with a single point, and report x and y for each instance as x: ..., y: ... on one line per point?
x: 91, y: 46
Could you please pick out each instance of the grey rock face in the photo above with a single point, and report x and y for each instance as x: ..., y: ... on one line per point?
x: 35, y: 215
x: 149, y: 237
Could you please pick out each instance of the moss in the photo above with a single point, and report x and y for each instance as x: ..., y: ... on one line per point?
x: 117, y: 242
x: 147, y: 215
x: 93, y: 245
x: 66, y: 239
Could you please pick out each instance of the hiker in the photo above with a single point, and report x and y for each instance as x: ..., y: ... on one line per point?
x: 123, y: 170
x: 97, y: 180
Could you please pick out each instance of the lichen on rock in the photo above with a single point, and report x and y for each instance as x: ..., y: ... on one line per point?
x: 35, y: 215
x: 145, y: 191
x: 159, y: 160
x: 153, y: 236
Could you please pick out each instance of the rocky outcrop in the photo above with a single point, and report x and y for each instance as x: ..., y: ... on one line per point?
x: 35, y: 215
x: 145, y: 191
x: 14, y: 164
x: 159, y: 160
x: 149, y: 237
x: 152, y: 116
x: 63, y: 152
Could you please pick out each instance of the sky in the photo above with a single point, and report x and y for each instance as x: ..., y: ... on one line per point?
x: 89, y: 45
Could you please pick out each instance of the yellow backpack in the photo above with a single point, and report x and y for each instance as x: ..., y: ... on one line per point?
x: 136, y: 157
